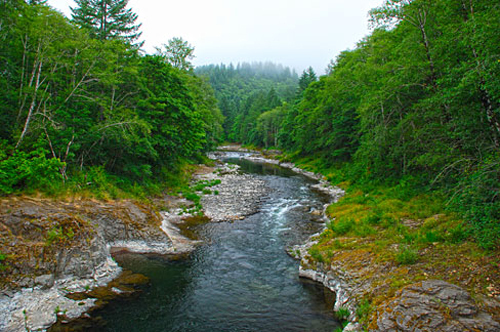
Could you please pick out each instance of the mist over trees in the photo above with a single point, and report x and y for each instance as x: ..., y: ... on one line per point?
x: 247, y: 90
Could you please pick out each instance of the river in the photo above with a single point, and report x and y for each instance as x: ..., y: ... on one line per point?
x: 241, y: 279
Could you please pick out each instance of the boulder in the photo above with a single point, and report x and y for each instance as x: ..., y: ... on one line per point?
x: 432, y: 305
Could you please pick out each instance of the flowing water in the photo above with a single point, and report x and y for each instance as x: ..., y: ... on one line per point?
x: 241, y: 279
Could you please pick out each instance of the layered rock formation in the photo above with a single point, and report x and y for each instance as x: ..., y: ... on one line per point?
x: 53, y: 249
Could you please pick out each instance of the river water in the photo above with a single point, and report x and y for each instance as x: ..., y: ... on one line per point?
x: 241, y: 279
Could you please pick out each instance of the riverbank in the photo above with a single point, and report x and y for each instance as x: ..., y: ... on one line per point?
x: 52, y: 249
x: 56, y: 248
x: 398, y: 264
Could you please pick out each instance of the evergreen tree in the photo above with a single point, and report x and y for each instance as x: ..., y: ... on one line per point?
x: 107, y: 19
x: 307, y: 78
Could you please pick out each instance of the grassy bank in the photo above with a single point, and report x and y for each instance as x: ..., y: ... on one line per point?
x: 393, y: 235
x: 97, y: 183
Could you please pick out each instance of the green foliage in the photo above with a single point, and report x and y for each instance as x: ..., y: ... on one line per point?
x: 457, y: 234
x: 193, y: 193
x: 88, y: 112
x: 3, y: 265
x: 406, y: 256
x: 364, y: 309
x: 58, y: 234
x: 177, y: 52
x: 106, y: 19
x: 308, y: 76
x: 316, y: 254
x: 415, y: 107
x: 201, y: 185
x: 342, y: 314
x: 341, y: 226
x: 28, y: 170
x: 245, y: 92
x: 479, y: 201
x: 268, y: 126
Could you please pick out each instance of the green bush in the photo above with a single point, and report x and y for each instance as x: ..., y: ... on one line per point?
x: 457, y: 234
x: 28, y: 171
x: 407, y: 256
x: 341, y: 226
x: 316, y: 254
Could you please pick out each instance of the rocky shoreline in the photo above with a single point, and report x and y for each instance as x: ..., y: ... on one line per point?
x: 65, y: 248
x: 238, y: 195
x: 429, y: 305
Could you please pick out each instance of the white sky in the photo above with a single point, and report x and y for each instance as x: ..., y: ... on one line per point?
x: 295, y: 33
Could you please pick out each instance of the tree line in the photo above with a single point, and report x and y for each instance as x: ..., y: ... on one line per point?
x: 79, y: 99
x: 416, y: 103
x: 247, y: 90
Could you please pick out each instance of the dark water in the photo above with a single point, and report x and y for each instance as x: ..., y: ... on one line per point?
x: 241, y: 280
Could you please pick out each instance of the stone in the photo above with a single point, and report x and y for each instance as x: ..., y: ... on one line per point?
x: 45, y: 281
x: 67, y: 264
x: 432, y: 305
x: 239, y: 195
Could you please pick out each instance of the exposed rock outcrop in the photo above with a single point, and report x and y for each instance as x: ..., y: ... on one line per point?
x: 238, y: 195
x: 54, y: 249
x: 432, y: 305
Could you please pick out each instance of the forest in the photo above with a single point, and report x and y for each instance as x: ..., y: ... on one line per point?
x: 82, y: 107
x: 247, y: 90
x: 415, y: 106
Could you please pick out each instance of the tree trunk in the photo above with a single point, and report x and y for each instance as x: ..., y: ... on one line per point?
x: 32, y: 105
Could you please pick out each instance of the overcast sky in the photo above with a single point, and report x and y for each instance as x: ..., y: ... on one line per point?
x: 295, y: 33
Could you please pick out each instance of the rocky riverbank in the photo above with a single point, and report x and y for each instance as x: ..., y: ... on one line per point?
x: 238, y: 195
x: 56, y: 257
x: 54, y: 249
x: 354, y: 274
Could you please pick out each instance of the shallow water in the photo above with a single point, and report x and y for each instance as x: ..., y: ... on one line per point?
x: 241, y: 279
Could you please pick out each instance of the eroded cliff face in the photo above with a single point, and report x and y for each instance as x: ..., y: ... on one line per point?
x: 42, y: 237
x: 55, y: 248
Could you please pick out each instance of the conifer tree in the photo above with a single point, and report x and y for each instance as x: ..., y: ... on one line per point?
x: 307, y: 78
x: 107, y: 19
